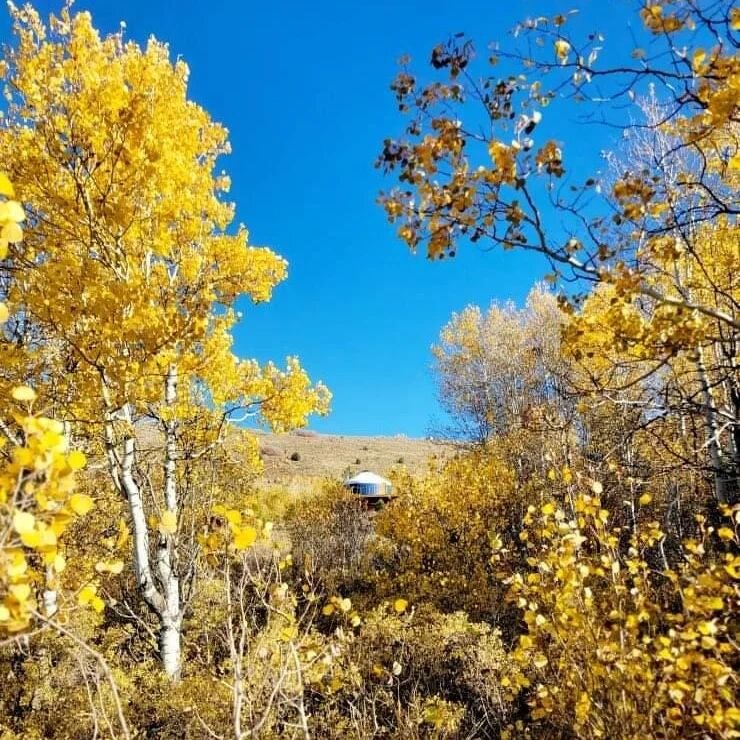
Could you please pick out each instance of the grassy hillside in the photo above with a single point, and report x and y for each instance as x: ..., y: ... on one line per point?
x: 330, y: 455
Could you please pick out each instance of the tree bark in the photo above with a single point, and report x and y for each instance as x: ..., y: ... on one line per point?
x: 166, y: 567
x: 161, y: 593
x: 714, y: 443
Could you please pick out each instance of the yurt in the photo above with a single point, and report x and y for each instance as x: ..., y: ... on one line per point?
x: 370, y: 486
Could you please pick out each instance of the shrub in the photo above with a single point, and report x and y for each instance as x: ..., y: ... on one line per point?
x: 295, y: 457
x: 615, y: 646
x: 420, y: 673
x: 434, y: 538
x: 330, y: 534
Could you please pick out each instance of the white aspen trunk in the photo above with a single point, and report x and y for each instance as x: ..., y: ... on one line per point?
x: 713, y: 439
x: 732, y: 406
x: 140, y: 530
x: 236, y: 651
x: 170, y: 647
x: 111, y: 455
x: 49, y: 597
x: 172, y: 617
x: 163, y: 594
x: 170, y: 468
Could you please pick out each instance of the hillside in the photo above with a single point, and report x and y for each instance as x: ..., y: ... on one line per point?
x: 330, y: 455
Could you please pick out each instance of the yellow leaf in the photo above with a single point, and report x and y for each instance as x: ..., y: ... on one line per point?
x: 4, y: 613
x: 23, y: 456
x: 562, y: 47
x: 11, y: 210
x: 86, y: 595
x: 726, y: 533
x: 20, y: 591
x: 328, y: 610
x: 123, y: 534
x: 12, y: 232
x: 400, y: 605
x: 23, y: 393
x: 548, y: 509
x: 233, y: 517
x: 540, y: 661
x: 244, y: 538
x: 6, y: 187
x: 109, y: 566
x: 76, y: 460
x: 31, y: 539
x: 345, y: 605
x: 4, y: 313
x: 17, y: 565
x: 23, y: 522
x: 59, y: 522
x: 168, y: 523
x: 48, y: 539
x: 80, y: 503
x: 289, y: 633
x: 597, y: 488
x: 645, y: 499
x: 699, y: 56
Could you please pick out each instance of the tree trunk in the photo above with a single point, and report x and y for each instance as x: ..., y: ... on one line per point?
x: 714, y: 443
x: 162, y: 594
x: 170, y: 648
x: 166, y: 566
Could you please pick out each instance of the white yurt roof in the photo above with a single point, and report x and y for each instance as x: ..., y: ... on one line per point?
x: 368, y: 478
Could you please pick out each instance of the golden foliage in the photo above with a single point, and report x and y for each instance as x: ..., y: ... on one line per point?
x: 619, y: 643
x: 436, y: 540
x: 569, y: 576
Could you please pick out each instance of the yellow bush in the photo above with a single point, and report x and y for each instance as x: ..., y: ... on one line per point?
x: 437, y: 538
x: 618, y: 643
x: 419, y: 673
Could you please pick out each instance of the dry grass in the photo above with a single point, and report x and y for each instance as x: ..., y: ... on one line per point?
x: 333, y: 456
x: 327, y: 456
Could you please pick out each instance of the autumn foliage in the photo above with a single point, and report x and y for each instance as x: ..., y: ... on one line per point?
x: 572, y: 571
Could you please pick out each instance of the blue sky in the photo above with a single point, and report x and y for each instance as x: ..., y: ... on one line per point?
x: 303, y: 88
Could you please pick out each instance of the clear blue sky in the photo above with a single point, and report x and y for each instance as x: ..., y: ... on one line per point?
x: 303, y: 88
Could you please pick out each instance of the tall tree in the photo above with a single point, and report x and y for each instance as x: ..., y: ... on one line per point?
x: 123, y: 290
x: 474, y: 165
x: 497, y: 370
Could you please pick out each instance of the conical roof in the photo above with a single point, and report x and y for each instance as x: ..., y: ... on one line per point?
x: 367, y: 477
